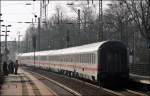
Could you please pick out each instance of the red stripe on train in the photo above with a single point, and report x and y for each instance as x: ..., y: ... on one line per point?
x: 64, y: 65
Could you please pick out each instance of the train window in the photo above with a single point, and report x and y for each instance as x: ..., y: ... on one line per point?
x: 70, y: 58
x: 61, y: 59
x: 92, y: 58
x: 83, y: 58
x: 64, y: 58
x: 86, y: 58
x: 28, y: 58
x: 93, y: 55
x: 76, y: 58
x: 58, y: 58
x: 67, y: 58
x: 36, y: 58
x: 89, y: 58
x: 49, y: 58
x: 43, y: 57
x: 80, y: 58
x: 52, y: 58
x: 55, y: 58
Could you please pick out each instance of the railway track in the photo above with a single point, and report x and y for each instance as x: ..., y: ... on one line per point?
x: 60, y: 89
x: 77, y: 87
x: 123, y: 92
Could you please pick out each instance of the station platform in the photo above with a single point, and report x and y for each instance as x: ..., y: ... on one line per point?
x: 24, y: 84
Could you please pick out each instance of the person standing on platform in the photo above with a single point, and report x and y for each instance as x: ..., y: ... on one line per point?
x: 11, y: 67
x: 16, y: 66
x: 5, y: 70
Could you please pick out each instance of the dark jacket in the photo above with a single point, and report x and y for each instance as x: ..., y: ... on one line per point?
x: 5, y: 69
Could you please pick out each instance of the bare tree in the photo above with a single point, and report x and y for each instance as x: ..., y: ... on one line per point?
x: 140, y: 12
x: 116, y: 21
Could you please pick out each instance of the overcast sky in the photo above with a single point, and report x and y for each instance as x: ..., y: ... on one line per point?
x: 17, y: 11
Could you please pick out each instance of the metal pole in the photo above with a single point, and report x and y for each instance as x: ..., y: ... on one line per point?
x: 67, y: 38
x: 100, y: 33
x: 6, y: 39
x: 34, y: 57
x: 79, y: 26
x: 26, y: 45
x: 121, y: 25
x: 6, y: 43
x: 18, y: 42
x: 0, y: 36
x: 39, y: 31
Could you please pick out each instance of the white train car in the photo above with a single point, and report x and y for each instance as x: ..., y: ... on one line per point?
x: 102, y: 61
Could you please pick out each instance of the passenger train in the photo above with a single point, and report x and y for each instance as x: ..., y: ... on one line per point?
x: 104, y: 62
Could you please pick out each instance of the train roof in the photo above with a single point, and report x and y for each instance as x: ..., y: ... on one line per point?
x: 94, y: 47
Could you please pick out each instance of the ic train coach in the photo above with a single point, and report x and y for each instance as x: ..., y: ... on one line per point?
x: 104, y: 62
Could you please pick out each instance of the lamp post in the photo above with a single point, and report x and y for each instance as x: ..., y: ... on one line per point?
x: 100, y: 32
x: 6, y: 49
x: 38, y: 22
x: 19, y: 51
x: 79, y: 21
